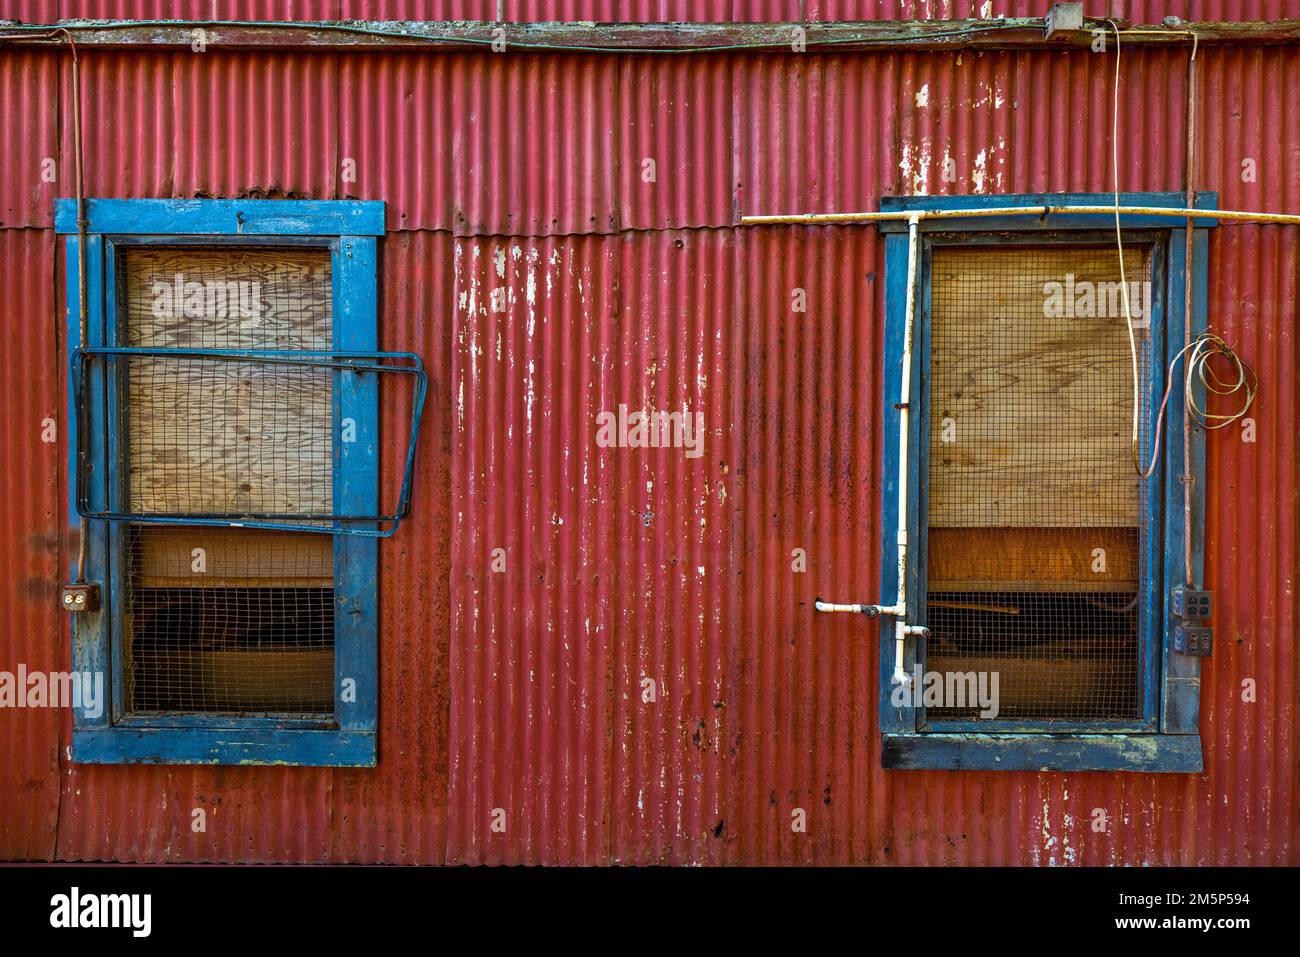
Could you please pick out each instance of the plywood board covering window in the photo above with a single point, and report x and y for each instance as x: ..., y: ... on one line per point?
x: 1035, y: 537
x: 216, y: 436
x: 227, y: 619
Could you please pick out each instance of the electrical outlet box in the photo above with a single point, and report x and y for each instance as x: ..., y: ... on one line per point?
x: 1195, y: 640
x: 1064, y: 17
x: 1191, y: 604
x: 79, y: 597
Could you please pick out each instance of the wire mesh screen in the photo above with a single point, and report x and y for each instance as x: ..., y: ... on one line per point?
x: 1035, y: 537
x: 215, y: 436
x: 244, y: 297
x: 230, y: 620
x: 227, y: 619
x: 224, y: 437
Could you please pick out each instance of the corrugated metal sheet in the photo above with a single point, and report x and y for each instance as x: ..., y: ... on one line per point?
x: 802, y: 696
x: 543, y: 283
x: 279, y: 145
x: 534, y: 341
x: 484, y: 143
x: 29, y: 540
x: 397, y: 813
x: 673, y: 565
x: 28, y: 85
x: 628, y: 11
x: 30, y: 11
x: 280, y: 10
x: 136, y: 159
x: 1135, y: 11
x: 675, y: 144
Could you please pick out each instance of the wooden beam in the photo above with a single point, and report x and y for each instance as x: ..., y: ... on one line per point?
x: 1043, y: 752
x: 231, y: 558
x: 653, y: 38
x: 1032, y: 560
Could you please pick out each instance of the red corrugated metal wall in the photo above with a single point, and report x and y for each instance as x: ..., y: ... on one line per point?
x: 544, y: 279
x: 632, y: 11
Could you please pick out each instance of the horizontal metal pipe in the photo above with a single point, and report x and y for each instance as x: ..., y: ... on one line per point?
x: 817, y: 219
x: 871, y: 611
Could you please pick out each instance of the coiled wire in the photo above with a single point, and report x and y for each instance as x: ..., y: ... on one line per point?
x: 1200, y: 352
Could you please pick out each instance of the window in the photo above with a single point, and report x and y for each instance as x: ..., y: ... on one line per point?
x: 225, y: 409
x: 1040, y: 562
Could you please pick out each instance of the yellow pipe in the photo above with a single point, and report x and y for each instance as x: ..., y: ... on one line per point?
x: 812, y: 219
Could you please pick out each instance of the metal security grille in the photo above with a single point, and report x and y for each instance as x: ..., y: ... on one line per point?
x: 228, y: 404
x: 220, y: 619
x: 1035, y: 541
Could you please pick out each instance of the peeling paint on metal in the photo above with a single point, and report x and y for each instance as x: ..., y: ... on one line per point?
x: 524, y: 691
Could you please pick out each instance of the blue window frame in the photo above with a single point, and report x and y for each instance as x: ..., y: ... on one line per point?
x: 1164, y: 737
x: 347, y: 737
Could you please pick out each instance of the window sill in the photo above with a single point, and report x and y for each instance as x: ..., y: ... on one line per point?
x: 307, y: 748
x: 1171, y: 753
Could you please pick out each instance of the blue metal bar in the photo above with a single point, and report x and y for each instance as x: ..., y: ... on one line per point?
x: 331, y: 359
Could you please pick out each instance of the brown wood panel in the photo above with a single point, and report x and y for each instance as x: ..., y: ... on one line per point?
x: 218, y: 436
x: 233, y: 558
x: 1030, y: 413
x: 291, y: 679
x: 215, y: 435
x: 1027, y: 559
x: 288, y: 289
x: 1044, y: 685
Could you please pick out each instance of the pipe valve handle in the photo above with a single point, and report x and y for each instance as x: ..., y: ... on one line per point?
x: 871, y: 611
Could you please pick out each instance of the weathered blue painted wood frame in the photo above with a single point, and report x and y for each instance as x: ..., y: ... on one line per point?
x: 348, y: 736
x: 1166, y: 736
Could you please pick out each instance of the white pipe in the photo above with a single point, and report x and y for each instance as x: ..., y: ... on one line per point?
x: 869, y: 610
x: 905, y: 395
x: 899, y: 609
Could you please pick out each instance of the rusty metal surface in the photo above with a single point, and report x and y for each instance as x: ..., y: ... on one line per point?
x: 534, y: 352
x: 28, y: 90
x: 629, y: 11
x: 544, y: 280
x: 31, y: 632
x: 540, y: 130
x: 1135, y: 11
